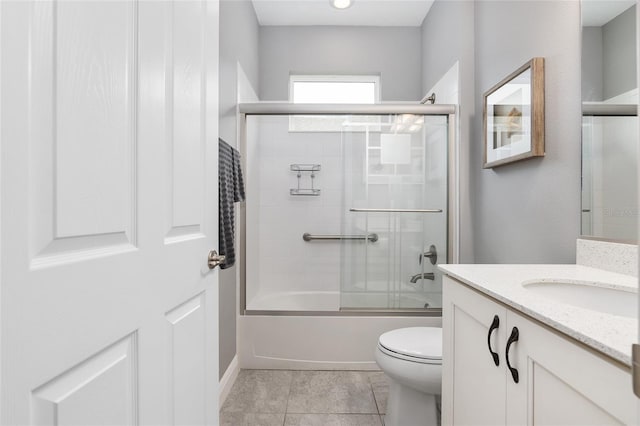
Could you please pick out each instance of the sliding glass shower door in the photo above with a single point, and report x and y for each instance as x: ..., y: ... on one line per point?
x: 395, y: 208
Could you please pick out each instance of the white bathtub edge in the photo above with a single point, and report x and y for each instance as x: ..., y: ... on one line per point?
x: 316, y: 343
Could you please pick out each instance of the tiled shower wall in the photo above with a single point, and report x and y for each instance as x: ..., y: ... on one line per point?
x: 276, y: 220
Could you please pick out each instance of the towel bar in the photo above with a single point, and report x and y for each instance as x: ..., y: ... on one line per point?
x: 371, y: 237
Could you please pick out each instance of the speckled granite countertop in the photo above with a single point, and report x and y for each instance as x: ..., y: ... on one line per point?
x: 610, y: 334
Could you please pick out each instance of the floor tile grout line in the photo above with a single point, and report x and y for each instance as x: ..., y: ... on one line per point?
x: 286, y: 407
x: 375, y: 400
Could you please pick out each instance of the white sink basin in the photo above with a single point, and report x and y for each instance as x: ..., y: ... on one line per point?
x: 594, y: 296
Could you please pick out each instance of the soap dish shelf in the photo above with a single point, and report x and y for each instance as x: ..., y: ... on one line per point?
x: 305, y: 192
x: 305, y: 168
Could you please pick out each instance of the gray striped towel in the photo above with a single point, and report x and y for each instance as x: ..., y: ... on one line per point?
x: 230, y: 191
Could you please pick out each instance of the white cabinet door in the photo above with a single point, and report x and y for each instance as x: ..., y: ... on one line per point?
x: 563, y: 383
x: 473, y: 391
x: 543, y: 378
x: 108, y: 167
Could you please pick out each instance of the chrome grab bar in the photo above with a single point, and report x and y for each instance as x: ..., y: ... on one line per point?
x: 309, y: 237
x: 396, y: 210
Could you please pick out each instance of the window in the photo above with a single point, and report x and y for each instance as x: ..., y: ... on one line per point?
x: 334, y: 89
x: 330, y: 89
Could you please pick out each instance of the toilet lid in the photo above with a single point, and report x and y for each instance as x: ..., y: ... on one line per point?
x: 416, y: 342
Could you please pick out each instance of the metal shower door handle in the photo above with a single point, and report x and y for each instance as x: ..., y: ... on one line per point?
x: 214, y: 259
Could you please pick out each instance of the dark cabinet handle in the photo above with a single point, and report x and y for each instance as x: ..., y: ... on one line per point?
x: 494, y: 326
x: 513, y: 338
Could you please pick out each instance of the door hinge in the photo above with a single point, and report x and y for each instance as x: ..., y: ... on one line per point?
x: 635, y: 368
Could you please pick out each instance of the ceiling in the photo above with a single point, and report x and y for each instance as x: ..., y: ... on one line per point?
x: 596, y: 13
x: 384, y: 13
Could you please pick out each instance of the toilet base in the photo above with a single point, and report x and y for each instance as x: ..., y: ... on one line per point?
x: 408, y: 407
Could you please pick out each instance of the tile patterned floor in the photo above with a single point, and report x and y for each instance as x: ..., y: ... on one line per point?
x: 306, y: 398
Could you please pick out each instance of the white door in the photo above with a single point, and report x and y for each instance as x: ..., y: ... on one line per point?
x: 638, y: 70
x: 108, y: 210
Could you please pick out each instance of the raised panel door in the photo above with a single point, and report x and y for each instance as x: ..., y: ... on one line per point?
x: 108, y: 165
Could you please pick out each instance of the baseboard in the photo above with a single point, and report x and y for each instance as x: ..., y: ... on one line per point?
x: 228, y: 379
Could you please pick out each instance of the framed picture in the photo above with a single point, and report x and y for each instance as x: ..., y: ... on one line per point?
x: 514, y: 116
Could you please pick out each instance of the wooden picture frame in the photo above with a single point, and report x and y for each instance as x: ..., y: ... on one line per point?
x: 513, y: 116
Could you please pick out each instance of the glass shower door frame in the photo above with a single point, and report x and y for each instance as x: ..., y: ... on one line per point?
x: 280, y: 108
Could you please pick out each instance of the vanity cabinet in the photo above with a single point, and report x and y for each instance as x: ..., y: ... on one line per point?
x: 537, y: 375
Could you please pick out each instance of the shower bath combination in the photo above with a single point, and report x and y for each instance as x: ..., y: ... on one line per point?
x: 342, y: 261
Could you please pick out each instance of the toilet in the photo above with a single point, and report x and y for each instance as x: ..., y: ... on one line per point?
x: 412, y: 359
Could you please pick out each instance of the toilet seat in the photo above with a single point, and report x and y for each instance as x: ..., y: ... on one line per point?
x: 417, y: 344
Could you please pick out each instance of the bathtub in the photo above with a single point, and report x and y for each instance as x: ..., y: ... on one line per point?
x: 321, y: 339
x: 296, y: 301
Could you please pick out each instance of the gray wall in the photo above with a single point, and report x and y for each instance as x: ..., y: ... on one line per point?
x: 524, y: 212
x: 239, y: 33
x: 529, y: 212
x: 619, y: 54
x: 608, y: 58
x: 393, y: 53
x: 592, y: 64
x: 441, y: 49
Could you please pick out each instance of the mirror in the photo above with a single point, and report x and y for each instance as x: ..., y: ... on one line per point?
x: 609, y: 120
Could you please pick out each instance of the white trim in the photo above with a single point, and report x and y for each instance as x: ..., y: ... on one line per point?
x: 1, y: 281
x: 228, y: 379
